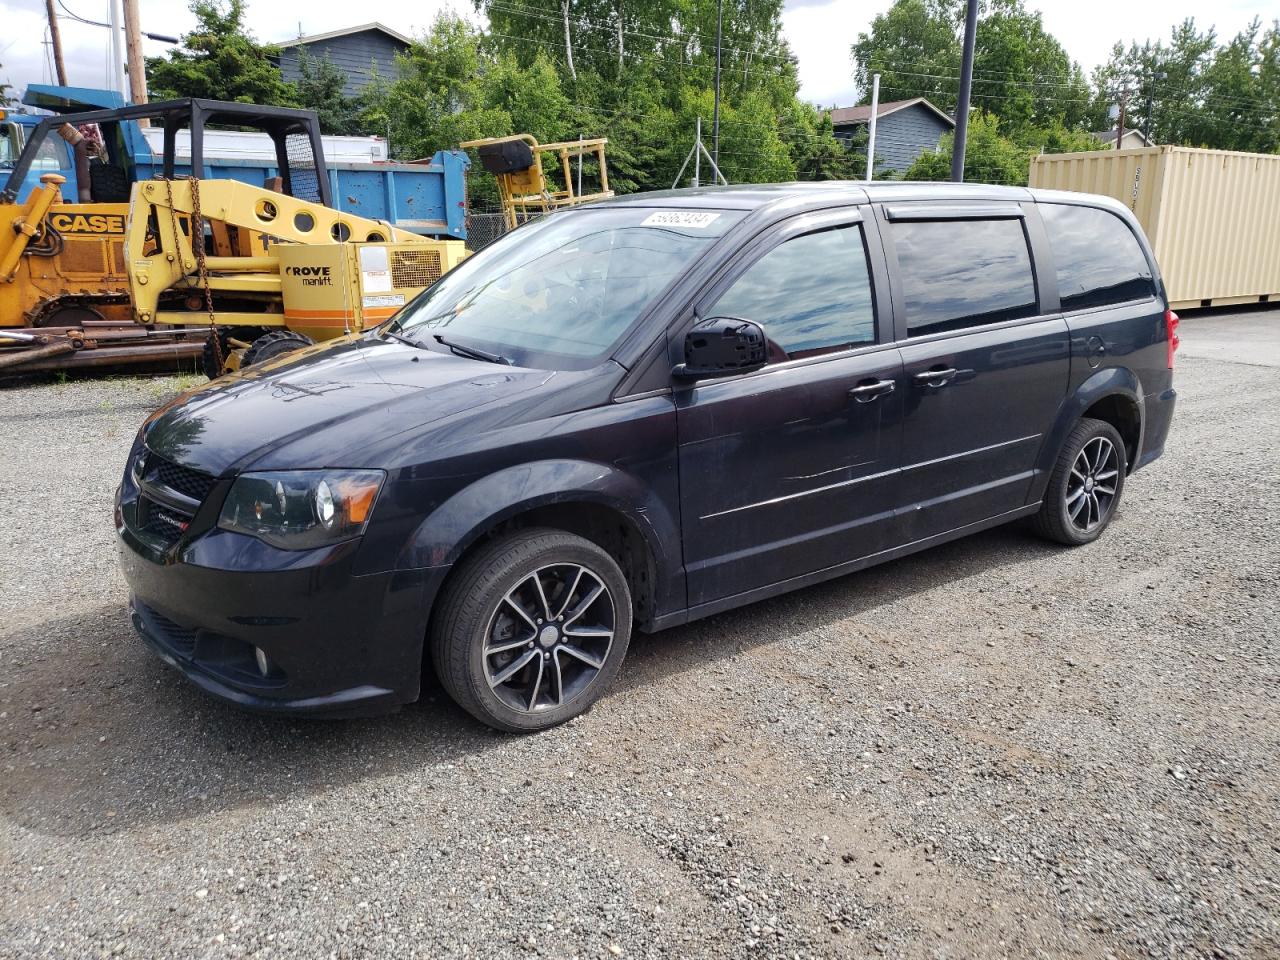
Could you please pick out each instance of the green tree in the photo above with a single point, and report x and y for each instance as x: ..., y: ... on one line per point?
x: 915, y: 47
x: 644, y: 89
x: 1021, y: 72
x: 641, y: 71
x: 1198, y: 92
x: 220, y: 59
x: 1164, y: 84
x: 435, y: 100
x: 988, y: 157
x: 320, y: 87
x: 5, y: 98
x: 816, y: 152
x: 1240, y: 112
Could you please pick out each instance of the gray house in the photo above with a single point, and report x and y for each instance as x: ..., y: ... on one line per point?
x: 356, y: 51
x: 1132, y: 139
x: 904, y: 130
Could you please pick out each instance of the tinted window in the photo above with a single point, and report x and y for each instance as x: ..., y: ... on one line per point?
x: 1097, y: 256
x: 811, y: 294
x: 963, y: 273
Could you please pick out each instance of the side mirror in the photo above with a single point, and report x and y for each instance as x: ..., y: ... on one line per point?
x: 721, y: 347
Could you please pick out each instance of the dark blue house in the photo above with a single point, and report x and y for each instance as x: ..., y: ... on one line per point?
x: 904, y: 130
x: 359, y: 52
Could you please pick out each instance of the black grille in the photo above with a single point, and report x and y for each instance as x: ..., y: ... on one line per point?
x: 180, y: 639
x: 193, y: 483
x: 161, y: 522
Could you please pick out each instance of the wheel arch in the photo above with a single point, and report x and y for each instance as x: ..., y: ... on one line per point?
x: 596, y: 501
x: 1113, y: 395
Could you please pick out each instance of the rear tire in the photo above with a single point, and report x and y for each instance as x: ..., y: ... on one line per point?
x: 531, y: 629
x: 1085, y: 486
x: 108, y: 184
x: 274, y: 344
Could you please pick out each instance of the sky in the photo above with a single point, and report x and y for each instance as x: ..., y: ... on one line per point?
x: 820, y: 31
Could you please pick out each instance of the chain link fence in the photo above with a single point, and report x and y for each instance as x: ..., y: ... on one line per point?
x: 487, y: 224
x: 483, y: 229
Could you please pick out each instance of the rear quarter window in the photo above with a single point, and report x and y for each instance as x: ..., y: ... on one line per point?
x: 958, y: 274
x: 1097, y: 258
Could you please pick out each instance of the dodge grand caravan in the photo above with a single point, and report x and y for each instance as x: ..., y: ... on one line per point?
x: 634, y: 414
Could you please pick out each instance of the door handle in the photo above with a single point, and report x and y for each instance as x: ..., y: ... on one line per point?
x: 936, y: 378
x: 865, y: 392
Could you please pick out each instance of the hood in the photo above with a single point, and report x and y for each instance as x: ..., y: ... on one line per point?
x: 328, y: 406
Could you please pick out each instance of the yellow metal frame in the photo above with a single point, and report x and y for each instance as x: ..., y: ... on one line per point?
x: 169, y: 263
x: 29, y: 223
x: 526, y: 192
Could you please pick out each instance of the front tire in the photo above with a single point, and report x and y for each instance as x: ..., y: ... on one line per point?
x: 274, y: 344
x: 1085, y: 487
x: 532, y: 629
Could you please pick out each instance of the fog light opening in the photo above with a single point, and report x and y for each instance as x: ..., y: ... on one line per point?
x: 264, y: 663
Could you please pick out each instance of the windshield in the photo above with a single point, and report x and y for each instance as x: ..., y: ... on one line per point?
x: 562, y: 291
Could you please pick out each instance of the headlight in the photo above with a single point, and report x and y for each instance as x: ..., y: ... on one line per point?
x: 300, y: 509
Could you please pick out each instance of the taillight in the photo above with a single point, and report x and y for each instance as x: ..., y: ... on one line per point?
x: 1171, y: 328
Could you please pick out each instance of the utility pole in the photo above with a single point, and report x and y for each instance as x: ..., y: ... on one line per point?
x: 117, y: 55
x: 1158, y: 77
x: 871, y: 128
x: 1124, y: 102
x: 56, y: 38
x: 715, y: 117
x: 966, y: 90
x: 133, y: 52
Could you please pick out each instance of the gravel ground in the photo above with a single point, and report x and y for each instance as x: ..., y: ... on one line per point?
x: 997, y: 748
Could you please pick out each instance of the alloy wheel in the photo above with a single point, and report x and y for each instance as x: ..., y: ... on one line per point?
x: 1091, y: 487
x: 549, y: 637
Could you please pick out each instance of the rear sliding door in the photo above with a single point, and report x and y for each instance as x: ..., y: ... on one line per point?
x: 985, y: 361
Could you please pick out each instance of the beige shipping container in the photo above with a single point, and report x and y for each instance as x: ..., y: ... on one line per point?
x: 1212, y: 216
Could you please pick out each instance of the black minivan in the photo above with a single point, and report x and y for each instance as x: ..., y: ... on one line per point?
x: 636, y: 413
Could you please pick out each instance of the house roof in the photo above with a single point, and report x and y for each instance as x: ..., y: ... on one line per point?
x: 1109, y: 136
x: 856, y: 115
x: 314, y: 38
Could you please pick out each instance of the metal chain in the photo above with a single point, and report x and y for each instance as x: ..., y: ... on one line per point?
x: 197, y: 248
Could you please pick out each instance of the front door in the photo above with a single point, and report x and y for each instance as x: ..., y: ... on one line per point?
x: 985, y: 370
x: 790, y: 470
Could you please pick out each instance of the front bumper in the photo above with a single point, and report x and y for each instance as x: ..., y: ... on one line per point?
x: 337, y: 643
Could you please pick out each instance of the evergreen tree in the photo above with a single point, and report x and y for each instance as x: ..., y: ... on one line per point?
x: 220, y: 59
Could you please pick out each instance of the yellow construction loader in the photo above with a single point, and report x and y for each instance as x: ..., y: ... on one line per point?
x: 65, y: 202
x: 273, y: 273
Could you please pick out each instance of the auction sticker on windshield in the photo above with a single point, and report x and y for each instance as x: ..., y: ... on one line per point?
x: 680, y: 218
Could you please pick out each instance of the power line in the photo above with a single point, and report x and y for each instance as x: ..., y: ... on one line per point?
x: 676, y: 36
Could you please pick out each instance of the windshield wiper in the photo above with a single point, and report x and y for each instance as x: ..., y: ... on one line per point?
x: 403, y: 339
x: 473, y: 352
